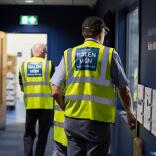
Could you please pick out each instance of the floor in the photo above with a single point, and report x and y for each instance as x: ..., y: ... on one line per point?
x: 11, y: 140
x: 16, y: 114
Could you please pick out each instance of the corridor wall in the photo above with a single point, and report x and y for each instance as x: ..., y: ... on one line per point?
x: 148, y: 61
x: 122, y: 137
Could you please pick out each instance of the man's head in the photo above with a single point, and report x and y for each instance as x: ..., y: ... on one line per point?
x: 39, y: 50
x: 94, y: 27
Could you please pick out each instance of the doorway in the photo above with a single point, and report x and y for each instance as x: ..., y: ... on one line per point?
x: 18, y: 50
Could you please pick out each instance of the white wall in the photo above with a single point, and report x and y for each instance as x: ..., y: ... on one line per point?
x: 22, y: 42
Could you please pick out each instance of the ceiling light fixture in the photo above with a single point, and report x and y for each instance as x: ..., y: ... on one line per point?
x: 29, y: 1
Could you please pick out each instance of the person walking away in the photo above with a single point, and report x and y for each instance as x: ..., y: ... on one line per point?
x: 34, y: 78
x: 91, y: 72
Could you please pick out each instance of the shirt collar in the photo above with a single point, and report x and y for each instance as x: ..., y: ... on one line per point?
x: 92, y: 39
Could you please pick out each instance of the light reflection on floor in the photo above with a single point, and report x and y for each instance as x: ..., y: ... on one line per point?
x: 17, y: 114
x: 12, y: 144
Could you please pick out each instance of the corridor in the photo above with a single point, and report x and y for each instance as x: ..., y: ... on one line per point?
x: 130, y: 30
x: 11, y: 140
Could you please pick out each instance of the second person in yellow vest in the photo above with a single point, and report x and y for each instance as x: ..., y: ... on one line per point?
x: 60, y: 138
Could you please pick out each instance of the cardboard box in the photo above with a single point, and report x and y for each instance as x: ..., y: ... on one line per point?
x: 11, y: 81
x: 11, y: 63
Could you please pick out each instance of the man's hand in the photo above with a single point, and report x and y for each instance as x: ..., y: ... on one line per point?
x: 131, y: 120
x: 58, y: 96
x: 127, y: 103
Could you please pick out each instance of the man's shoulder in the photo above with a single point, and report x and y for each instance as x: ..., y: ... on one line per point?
x: 71, y: 49
x: 109, y: 48
x: 28, y: 60
x: 113, y: 50
x: 20, y: 64
x: 67, y: 50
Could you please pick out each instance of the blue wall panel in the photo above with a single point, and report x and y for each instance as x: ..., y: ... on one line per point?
x: 61, y: 23
x: 149, y: 141
x: 148, y: 35
x: 122, y: 137
x: 148, y: 61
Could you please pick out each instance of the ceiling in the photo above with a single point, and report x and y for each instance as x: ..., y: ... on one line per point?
x: 49, y: 2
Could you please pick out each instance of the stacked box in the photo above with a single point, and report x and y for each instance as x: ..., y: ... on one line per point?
x: 11, y: 82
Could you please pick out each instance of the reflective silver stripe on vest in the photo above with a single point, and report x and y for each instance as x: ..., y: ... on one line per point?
x: 46, y: 70
x: 90, y: 98
x: 59, y: 124
x: 57, y: 107
x: 100, y: 80
x: 35, y: 83
x: 37, y: 95
x: 23, y: 74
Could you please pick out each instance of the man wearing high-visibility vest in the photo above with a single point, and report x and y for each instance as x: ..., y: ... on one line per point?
x: 90, y: 72
x: 60, y: 137
x: 34, y: 78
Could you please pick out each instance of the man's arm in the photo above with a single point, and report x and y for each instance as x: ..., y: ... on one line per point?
x: 127, y: 103
x: 20, y: 81
x: 57, y: 80
x: 121, y: 82
x: 57, y: 94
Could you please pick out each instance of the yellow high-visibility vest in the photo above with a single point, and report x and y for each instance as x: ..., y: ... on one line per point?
x: 59, y: 133
x: 89, y: 91
x: 35, y: 77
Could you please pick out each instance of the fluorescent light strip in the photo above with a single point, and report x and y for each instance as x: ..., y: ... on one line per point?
x: 29, y: 1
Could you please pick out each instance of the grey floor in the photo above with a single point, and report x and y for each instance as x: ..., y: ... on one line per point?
x: 11, y: 139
